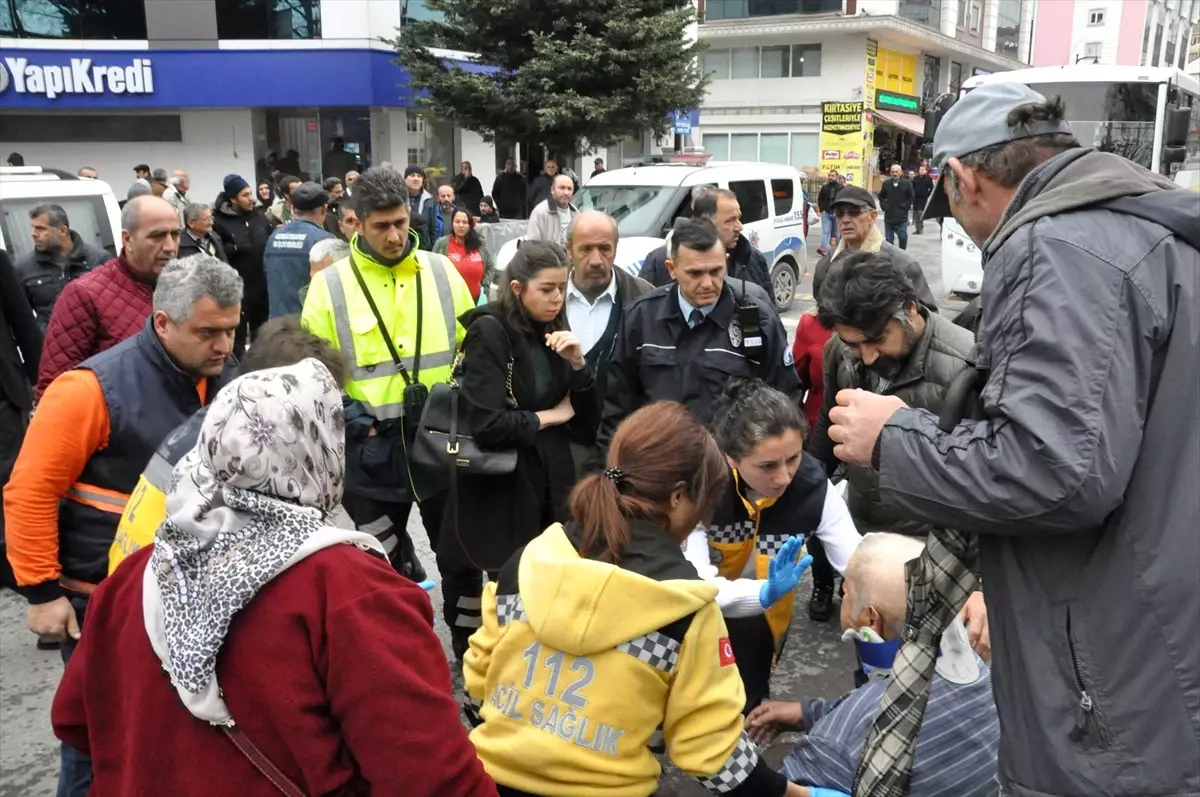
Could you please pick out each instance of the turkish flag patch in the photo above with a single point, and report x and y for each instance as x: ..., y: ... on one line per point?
x: 725, y: 649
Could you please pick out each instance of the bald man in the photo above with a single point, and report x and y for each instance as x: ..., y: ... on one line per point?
x: 960, y: 736
x: 111, y: 302
x: 596, y: 296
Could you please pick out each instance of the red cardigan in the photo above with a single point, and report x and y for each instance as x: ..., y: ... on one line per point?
x: 93, y: 313
x: 333, y: 671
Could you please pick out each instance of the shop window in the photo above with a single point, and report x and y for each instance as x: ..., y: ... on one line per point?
x: 73, y: 19
x: 717, y: 145
x: 269, y: 19
x: 716, y: 64
x: 752, y: 197
x: 806, y: 60
x: 744, y: 62
x: 775, y: 61
x: 743, y: 147
x: 783, y: 192
x: 773, y: 148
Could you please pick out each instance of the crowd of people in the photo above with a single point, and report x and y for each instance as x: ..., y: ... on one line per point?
x: 618, y: 477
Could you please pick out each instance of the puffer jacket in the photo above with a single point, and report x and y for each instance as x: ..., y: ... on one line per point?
x: 1081, y: 480
x: 937, y: 358
x: 94, y: 313
x: 43, y: 279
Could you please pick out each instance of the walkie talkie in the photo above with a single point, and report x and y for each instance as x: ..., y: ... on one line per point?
x: 751, y: 327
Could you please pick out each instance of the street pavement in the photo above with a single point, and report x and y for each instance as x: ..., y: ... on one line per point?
x: 815, y: 661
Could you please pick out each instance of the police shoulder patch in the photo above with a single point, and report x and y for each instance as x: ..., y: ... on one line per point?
x: 735, y: 333
x: 788, y: 359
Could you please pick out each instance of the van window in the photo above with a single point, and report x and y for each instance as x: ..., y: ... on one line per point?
x: 752, y: 196
x: 784, y: 194
x: 87, y: 216
x: 637, y: 208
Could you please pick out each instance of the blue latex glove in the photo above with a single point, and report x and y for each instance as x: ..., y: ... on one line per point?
x: 427, y: 585
x: 783, y: 572
x: 821, y: 791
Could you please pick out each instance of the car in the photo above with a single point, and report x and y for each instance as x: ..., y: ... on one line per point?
x: 647, y: 198
x: 90, y: 204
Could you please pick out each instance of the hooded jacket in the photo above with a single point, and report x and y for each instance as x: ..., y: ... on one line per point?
x: 578, y: 662
x: 1081, y: 482
x: 43, y: 279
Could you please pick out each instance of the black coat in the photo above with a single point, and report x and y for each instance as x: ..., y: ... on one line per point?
x: 499, y: 514
x: 20, y: 340
x: 509, y: 191
x: 744, y: 263
x: 828, y: 194
x: 539, y: 190
x: 468, y: 192
x: 43, y: 280
x: 896, y: 200
x: 244, y: 238
x: 189, y: 246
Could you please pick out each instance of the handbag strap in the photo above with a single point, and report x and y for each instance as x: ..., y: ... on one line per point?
x: 387, y: 339
x: 259, y: 759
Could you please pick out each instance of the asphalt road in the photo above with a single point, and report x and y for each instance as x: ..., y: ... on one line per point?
x: 815, y: 661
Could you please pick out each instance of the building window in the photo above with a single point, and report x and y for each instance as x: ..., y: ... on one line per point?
x: 956, y: 76
x: 1093, y: 50
x: 962, y: 14
x: 416, y: 11
x: 806, y: 60
x: 269, y: 19
x: 744, y: 62
x: 1008, y: 29
x: 975, y: 15
x: 1156, y: 53
x: 773, y: 148
x: 717, y: 145
x: 716, y: 64
x: 741, y: 9
x: 743, y: 147
x: 805, y: 149
x: 775, y: 61
x: 923, y: 12
x: 73, y: 19
x: 1096, y: 16
x: 778, y: 61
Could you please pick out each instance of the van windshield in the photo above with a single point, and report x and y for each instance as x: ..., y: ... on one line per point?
x: 638, y: 209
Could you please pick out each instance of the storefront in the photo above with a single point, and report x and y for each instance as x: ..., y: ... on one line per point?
x: 214, y: 112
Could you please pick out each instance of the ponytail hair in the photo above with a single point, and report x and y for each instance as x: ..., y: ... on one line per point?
x: 749, y: 411
x: 654, y: 451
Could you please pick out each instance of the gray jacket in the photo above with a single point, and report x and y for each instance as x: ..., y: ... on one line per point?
x: 939, y: 356
x: 1083, y: 483
x: 545, y: 223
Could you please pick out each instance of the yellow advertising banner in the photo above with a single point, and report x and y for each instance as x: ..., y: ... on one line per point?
x: 842, y: 140
x: 894, y: 71
x: 872, y: 66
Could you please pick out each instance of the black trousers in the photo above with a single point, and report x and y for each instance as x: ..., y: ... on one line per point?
x: 822, y: 571
x: 255, y: 312
x: 367, y: 510
x: 462, y: 590
x: 754, y: 648
x: 13, y: 421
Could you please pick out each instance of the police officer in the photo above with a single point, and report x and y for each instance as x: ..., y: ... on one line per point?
x: 392, y: 310
x: 681, y: 342
x: 286, y: 258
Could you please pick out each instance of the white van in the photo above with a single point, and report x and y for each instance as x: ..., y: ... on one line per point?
x: 90, y: 205
x: 646, y: 200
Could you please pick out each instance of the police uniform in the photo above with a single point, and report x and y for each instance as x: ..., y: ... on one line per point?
x: 580, y: 666
x: 737, y: 546
x: 659, y: 356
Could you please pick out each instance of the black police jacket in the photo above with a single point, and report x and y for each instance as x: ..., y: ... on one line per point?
x: 657, y: 357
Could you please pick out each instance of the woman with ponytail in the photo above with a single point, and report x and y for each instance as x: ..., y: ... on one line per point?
x: 776, y: 498
x: 599, y: 632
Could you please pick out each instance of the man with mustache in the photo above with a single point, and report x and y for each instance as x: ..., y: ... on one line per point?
x: 886, y: 341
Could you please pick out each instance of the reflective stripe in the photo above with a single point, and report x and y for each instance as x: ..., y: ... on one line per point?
x: 736, y: 770
x: 158, y: 473
x: 469, y: 603
x: 341, y: 316
x: 98, y: 499
x: 463, y: 621
x: 384, y: 412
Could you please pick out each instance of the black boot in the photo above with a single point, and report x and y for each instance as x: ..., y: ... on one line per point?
x: 820, y: 605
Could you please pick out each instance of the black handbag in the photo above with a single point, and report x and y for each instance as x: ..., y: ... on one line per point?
x: 444, y: 446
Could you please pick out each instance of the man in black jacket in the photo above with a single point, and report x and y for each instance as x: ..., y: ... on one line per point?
x: 896, y: 199
x: 244, y: 228
x: 825, y: 200
x: 20, y: 351
x: 922, y: 187
x: 468, y: 189
x: 59, y: 255
x: 743, y: 261
x: 509, y: 191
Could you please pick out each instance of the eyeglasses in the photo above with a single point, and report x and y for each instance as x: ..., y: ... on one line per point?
x: 853, y: 211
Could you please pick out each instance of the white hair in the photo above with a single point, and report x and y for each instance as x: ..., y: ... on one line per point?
x: 876, y: 573
x: 333, y: 248
x: 188, y: 280
x: 178, y: 176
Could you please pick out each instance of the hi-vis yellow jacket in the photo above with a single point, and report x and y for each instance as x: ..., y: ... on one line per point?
x: 579, y: 663
x: 336, y: 310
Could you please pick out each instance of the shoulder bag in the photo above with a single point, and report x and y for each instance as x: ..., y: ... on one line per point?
x: 444, y: 444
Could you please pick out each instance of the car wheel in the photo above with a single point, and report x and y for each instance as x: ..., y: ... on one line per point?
x: 783, y: 280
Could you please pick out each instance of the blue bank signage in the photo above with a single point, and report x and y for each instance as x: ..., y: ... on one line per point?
x: 64, y: 79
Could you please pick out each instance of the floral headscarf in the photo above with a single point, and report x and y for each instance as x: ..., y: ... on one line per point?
x: 248, y: 502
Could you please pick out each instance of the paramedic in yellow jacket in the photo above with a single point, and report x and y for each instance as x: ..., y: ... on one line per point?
x: 393, y: 311
x: 279, y: 342
x: 776, y: 495
x: 599, y: 633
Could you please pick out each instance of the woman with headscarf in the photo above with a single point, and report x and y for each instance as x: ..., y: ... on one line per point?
x: 254, y: 649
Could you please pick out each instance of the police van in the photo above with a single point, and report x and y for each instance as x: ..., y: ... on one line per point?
x: 645, y: 200
x: 90, y: 205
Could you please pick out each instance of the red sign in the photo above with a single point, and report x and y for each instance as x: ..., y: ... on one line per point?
x: 726, y: 652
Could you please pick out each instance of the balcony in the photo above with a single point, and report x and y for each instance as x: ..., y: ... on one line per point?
x: 745, y: 9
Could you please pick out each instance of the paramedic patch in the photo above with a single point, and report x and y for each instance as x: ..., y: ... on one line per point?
x: 735, y: 333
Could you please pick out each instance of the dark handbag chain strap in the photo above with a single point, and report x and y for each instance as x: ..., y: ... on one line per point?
x: 387, y: 339
x: 259, y: 759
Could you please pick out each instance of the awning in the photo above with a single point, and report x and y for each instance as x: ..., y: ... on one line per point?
x: 907, y: 121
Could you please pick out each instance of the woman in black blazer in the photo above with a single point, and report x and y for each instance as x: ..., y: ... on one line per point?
x: 551, y: 388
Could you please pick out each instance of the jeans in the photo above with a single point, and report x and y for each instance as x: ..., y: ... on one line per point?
x: 75, y: 768
x: 893, y: 230
x: 828, y: 229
